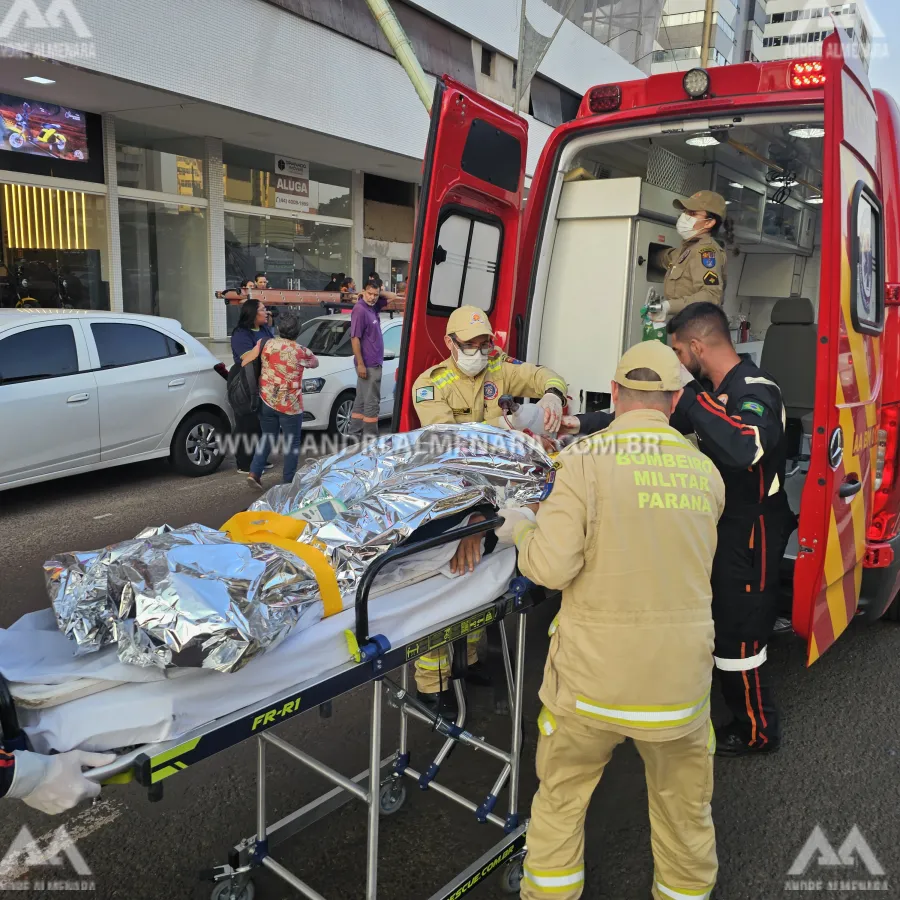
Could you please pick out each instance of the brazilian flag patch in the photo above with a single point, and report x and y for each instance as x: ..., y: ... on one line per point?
x: 752, y: 406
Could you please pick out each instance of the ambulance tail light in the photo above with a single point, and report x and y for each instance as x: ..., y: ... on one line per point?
x: 607, y: 98
x: 886, y: 509
x: 808, y: 75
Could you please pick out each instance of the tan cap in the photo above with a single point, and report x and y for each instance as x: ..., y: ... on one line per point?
x: 468, y: 322
x: 657, y: 357
x: 703, y: 201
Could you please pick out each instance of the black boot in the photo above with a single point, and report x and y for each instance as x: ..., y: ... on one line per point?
x: 442, y: 703
x: 478, y: 675
x: 730, y: 741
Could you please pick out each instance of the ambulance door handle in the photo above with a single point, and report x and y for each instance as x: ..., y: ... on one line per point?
x: 641, y: 260
x: 850, y: 487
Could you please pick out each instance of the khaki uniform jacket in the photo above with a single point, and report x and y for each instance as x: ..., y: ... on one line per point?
x: 442, y: 395
x: 696, y: 272
x: 628, y: 534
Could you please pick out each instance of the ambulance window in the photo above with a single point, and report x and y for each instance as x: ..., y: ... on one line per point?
x: 656, y: 273
x: 867, y: 263
x: 464, y: 271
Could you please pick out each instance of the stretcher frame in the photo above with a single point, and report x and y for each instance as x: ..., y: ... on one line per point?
x: 153, y: 765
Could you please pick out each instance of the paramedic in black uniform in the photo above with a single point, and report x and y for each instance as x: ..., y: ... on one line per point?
x: 738, y: 415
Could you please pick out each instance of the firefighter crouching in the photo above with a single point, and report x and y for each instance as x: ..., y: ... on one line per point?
x: 628, y: 534
x: 740, y: 424
x: 467, y: 387
x: 695, y: 271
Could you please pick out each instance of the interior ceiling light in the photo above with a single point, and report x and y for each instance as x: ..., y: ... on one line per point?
x: 696, y: 83
x: 735, y: 184
x: 703, y: 140
x: 816, y: 201
x: 807, y: 132
x: 37, y: 79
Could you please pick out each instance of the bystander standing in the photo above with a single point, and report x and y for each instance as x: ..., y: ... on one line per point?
x: 368, y: 351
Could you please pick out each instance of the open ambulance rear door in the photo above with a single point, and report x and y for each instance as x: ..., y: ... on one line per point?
x: 839, y: 490
x: 467, y: 229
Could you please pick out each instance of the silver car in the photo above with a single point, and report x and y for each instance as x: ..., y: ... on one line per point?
x: 84, y: 390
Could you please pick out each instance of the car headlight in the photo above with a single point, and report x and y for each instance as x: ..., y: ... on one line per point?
x: 313, y: 385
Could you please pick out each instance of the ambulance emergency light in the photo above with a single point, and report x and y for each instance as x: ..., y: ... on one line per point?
x: 808, y: 75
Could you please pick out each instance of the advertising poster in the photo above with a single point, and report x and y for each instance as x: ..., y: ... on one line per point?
x: 42, y: 129
x: 292, y: 184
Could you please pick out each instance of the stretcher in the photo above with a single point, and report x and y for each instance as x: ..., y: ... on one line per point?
x: 384, y: 666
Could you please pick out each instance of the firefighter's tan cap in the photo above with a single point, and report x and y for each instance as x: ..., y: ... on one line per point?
x: 657, y: 357
x: 468, y: 323
x: 703, y: 201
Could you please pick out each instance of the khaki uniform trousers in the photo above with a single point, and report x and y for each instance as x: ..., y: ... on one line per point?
x: 570, y: 762
x: 433, y: 669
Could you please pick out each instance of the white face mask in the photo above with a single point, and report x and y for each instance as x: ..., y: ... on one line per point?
x: 686, y: 226
x: 471, y: 365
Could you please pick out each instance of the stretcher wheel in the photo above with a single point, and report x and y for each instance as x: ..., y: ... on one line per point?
x: 512, y: 877
x: 391, y: 796
x: 223, y: 891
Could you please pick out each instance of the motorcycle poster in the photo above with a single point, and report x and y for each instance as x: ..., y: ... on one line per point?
x: 42, y: 129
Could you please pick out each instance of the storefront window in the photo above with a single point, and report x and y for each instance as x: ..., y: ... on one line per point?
x: 164, y: 262
x: 280, y: 182
x: 54, y: 248
x: 295, y: 254
x: 150, y: 169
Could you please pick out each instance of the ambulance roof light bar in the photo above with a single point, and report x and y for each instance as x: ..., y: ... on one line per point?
x: 808, y: 75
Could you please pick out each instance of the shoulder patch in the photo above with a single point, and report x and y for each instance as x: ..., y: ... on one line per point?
x: 424, y: 393
x: 752, y: 406
x: 711, y: 279
x: 709, y: 257
x: 512, y: 361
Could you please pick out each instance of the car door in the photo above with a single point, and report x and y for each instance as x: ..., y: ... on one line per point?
x: 839, y: 492
x: 48, y: 402
x: 393, y: 334
x: 467, y: 228
x: 144, y: 378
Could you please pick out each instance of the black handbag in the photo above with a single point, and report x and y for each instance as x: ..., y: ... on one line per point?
x: 243, y: 387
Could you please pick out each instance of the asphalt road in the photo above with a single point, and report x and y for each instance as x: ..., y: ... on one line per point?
x: 840, y: 765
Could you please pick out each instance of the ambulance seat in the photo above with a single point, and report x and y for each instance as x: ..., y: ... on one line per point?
x: 789, y: 354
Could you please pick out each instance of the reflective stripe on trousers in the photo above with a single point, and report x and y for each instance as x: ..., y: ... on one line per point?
x: 683, y: 894
x: 433, y: 669
x: 669, y: 716
x: 554, y: 881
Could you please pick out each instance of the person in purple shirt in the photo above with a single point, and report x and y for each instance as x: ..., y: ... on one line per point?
x: 368, y: 351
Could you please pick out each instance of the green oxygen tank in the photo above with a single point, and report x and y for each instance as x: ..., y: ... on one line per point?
x: 653, y: 331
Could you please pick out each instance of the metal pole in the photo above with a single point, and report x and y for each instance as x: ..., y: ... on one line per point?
x: 519, y: 73
x: 515, y: 750
x: 707, y: 32
x: 402, y: 48
x: 374, y: 792
x: 260, y: 790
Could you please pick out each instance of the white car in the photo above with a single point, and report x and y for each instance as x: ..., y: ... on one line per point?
x: 83, y: 390
x: 329, y: 390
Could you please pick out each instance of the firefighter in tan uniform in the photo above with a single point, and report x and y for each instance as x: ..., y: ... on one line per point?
x: 467, y: 387
x: 696, y: 270
x: 628, y: 534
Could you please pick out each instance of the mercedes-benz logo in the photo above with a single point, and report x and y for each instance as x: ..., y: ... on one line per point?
x: 836, y: 448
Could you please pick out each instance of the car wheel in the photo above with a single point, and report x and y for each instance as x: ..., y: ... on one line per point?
x: 195, y: 447
x: 339, y: 423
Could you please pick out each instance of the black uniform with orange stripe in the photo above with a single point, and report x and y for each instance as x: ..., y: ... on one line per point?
x: 7, y: 771
x: 741, y: 427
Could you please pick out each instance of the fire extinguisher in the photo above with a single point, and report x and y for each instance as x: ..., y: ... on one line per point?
x: 744, y: 332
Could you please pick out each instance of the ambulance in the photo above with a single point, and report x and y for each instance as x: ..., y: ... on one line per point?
x: 806, y: 155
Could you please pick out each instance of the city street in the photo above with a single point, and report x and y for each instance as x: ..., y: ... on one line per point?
x: 839, y: 766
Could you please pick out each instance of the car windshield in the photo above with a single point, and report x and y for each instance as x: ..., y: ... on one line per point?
x: 326, y: 337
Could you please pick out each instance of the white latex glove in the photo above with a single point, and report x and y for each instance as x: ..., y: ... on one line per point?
x: 552, y: 408
x: 54, y: 784
x: 662, y: 314
x: 512, y: 518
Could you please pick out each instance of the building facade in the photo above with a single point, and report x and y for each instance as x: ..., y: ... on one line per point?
x: 796, y: 28
x: 736, y: 34
x: 154, y: 152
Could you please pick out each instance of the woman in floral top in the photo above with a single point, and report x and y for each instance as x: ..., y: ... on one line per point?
x: 281, y: 392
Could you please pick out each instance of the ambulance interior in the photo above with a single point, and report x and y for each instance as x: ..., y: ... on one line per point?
x: 612, y: 208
